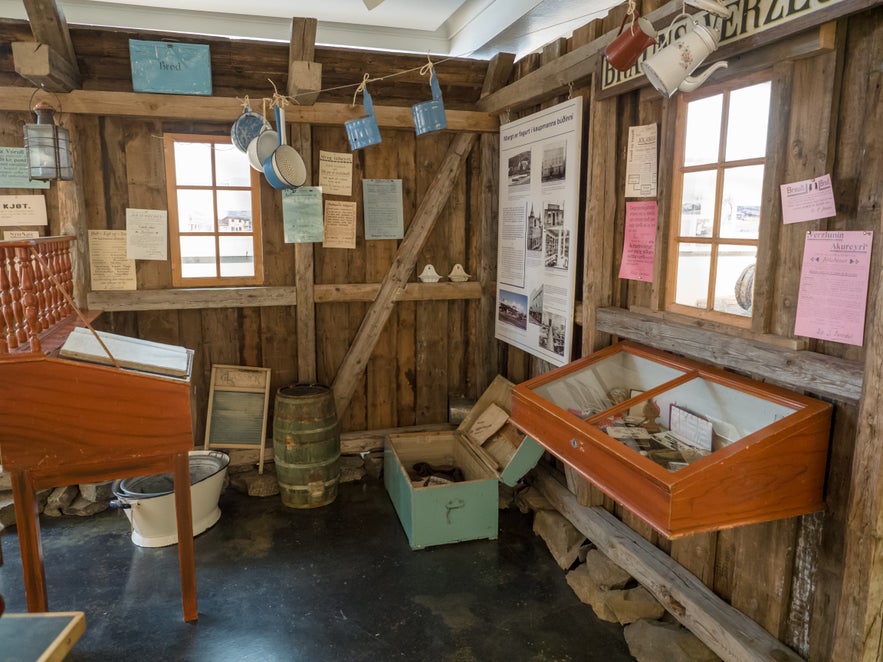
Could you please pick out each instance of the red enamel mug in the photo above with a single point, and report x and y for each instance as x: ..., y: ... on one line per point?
x: 626, y: 48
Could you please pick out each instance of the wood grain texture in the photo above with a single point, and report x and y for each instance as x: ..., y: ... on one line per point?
x: 808, y: 371
x: 353, y: 366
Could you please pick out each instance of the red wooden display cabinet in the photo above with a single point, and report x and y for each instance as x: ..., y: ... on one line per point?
x: 771, y: 444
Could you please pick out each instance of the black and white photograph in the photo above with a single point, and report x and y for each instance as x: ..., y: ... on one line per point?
x: 552, y: 332
x: 554, y: 162
x: 556, y: 247
x: 535, y: 312
x: 534, y: 229
x: 519, y: 169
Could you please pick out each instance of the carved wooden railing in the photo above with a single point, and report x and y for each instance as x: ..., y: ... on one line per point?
x: 36, y: 285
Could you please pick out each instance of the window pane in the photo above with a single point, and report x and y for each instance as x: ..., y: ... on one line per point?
x: 196, y: 211
x: 198, y: 257
x: 740, y: 206
x: 747, y: 122
x: 234, y: 211
x: 734, y: 284
x: 703, y: 130
x: 237, y: 256
x: 232, y: 167
x: 697, y: 203
x: 694, y: 266
x: 193, y: 164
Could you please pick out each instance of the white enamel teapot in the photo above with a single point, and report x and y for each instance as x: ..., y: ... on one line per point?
x: 669, y: 69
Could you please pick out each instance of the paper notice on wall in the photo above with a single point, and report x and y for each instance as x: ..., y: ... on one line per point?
x: 147, y: 233
x: 23, y: 210
x: 639, y: 243
x: 340, y: 224
x: 109, y: 266
x: 336, y: 173
x: 14, y: 169
x: 12, y: 235
x: 302, y: 215
x: 834, y: 286
x: 384, y: 217
x: 640, y: 167
x: 808, y: 200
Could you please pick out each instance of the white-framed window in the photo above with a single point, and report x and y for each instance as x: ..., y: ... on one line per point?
x: 214, y: 212
x: 717, y: 188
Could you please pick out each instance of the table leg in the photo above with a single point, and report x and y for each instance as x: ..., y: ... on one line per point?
x: 184, y: 516
x: 27, y: 521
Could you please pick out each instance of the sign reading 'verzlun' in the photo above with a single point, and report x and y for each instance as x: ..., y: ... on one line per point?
x: 749, y: 17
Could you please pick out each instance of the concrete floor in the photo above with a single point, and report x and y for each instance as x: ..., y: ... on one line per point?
x: 331, y: 583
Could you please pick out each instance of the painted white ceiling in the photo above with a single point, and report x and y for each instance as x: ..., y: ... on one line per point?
x: 468, y: 28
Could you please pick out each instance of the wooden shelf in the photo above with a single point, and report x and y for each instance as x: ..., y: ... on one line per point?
x: 768, y: 459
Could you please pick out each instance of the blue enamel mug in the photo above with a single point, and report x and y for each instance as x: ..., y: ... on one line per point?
x: 430, y: 115
x: 363, y: 131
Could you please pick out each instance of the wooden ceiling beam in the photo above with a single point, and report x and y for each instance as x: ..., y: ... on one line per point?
x: 50, y: 30
x: 227, y: 109
x: 43, y: 66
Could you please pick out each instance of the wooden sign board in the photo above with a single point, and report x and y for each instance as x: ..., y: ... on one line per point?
x: 238, y: 400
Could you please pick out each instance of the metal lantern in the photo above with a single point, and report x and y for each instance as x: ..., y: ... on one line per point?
x: 48, y: 147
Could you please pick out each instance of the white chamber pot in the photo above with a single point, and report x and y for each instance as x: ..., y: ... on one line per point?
x: 149, y: 501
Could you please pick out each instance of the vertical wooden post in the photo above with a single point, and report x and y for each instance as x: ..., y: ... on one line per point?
x: 301, y: 51
x: 484, y: 344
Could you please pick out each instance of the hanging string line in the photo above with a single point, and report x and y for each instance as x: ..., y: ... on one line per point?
x: 364, y: 81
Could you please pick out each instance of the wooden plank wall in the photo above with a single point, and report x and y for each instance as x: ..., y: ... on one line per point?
x: 786, y: 575
x: 427, y: 351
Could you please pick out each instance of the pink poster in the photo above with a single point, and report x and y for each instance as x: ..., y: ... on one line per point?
x: 639, y: 244
x: 808, y: 200
x: 834, y: 286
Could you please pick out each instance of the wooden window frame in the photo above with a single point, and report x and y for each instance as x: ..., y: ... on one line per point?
x: 169, y: 140
x: 720, y: 165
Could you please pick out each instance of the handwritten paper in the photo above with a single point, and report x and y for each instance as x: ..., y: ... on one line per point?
x: 340, y: 224
x: 639, y: 244
x: 302, y: 215
x: 834, y: 286
x: 336, y: 173
x: 147, y: 232
x: 640, y: 166
x: 14, y: 169
x: 384, y: 217
x: 808, y: 200
x: 23, y: 210
x: 110, y: 268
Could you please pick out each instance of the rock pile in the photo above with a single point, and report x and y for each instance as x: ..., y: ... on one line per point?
x: 614, y: 595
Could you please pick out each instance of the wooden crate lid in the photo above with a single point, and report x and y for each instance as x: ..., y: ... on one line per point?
x: 487, y: 429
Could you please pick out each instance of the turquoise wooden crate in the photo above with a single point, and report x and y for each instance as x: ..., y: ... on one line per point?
x: 466, y: 510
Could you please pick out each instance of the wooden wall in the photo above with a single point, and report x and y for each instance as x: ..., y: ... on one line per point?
x: 787, y: 575
x: 428, y: 350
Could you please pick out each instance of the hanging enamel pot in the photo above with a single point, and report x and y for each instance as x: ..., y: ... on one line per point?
x: 284, y: 168
x: 246, y: 128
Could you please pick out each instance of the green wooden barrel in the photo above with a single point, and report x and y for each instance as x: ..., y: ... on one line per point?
x: 306, y: 441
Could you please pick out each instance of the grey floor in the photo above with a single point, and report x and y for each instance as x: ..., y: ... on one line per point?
x: 331, y: 583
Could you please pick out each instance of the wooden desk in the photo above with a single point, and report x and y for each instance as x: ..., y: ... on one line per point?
x: 68, y: 422
x: 40, y: 637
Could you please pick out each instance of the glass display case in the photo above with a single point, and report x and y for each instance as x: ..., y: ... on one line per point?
x: 685, y: 446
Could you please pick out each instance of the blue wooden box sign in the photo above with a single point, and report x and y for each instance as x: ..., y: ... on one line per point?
x: 167, y: 68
